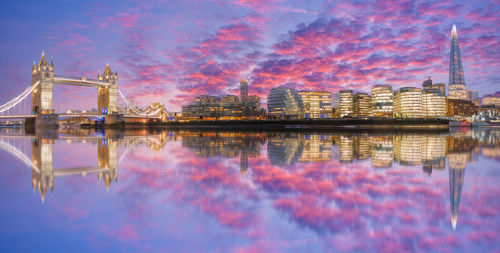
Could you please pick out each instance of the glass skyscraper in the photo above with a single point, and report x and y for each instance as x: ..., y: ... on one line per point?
x: 456, y: 85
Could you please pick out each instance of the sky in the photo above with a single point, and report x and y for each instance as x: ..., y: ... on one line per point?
x: 172, y: 51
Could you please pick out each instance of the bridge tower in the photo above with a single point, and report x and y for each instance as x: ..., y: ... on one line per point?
x: 42, y: 96
x: 107, y: 97
x: 41, y: 101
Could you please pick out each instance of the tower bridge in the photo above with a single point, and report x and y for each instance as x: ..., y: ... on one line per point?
x: 41, y: 111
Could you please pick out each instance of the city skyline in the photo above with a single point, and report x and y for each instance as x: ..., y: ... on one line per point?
x: 326, y: 46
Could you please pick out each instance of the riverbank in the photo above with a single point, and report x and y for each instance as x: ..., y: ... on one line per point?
x: 310, y: 124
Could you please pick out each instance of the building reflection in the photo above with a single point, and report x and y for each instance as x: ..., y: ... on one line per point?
x: 224, y: 144
x: 382, y: 151
x: 433, y: 153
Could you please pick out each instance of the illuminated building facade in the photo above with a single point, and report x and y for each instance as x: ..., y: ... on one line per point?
x: 362, y: 105
x: 346, y: 103
x: 382, y: 101
x: 408, y: 103
x: 492, y: 99
x: 316, y: 104
x: 433, y: 103
x: 284, y: 103
x: 457, y: 107
x: 456, y: 85
x: 229, y: 107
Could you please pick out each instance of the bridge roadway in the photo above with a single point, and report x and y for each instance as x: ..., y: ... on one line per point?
x: 63, y: 115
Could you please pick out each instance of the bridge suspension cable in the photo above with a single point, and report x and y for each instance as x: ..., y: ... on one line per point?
x: 135, y: 109
x: 13, y: 102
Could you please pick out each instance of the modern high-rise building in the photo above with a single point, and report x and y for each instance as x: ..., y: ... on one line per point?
x: 284, y: 102
x: 346, y: 103
x: 243, y: 90
x: 317, y: 104
x: 456, y: 85
x: 441, y: 87
x: 382, y: 101
x: 427, y: 84
x: 473, y: 96
x: 408, y: 103
x: 362, y: 105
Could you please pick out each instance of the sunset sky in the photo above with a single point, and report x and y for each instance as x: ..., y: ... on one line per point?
x: 171, y: 51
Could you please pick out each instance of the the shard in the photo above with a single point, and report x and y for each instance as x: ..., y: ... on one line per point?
x: 456, y: 85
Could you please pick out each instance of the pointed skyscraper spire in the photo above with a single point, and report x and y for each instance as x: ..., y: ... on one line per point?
x: 456, y: 85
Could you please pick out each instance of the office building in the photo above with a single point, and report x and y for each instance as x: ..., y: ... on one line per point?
x: 408, y: 103
x: 456, y: 85
x: 382, y: 101
x: 491, y: 100
x: 473, y: 96
x: 346, y: 103
x: 458, y: 107
x: 284, y: 103
x: 441, y: 87
x: 433, y: 103
x: 243, y: 91
x: 362, y: 105
x: 316, y: 104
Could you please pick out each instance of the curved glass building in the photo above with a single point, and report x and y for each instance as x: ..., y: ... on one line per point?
x: 284, y: 102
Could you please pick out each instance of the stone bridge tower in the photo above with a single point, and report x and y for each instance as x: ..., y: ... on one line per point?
x: 107, y: 100
x: 41, y: 100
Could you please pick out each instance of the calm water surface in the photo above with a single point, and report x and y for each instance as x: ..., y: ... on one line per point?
x: 192, y: 191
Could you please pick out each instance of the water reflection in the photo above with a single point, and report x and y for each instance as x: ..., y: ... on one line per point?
x: 335, y: 182
x: 42, y: 153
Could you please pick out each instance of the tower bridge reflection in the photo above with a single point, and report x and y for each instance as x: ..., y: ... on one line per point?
x: 41, y: 147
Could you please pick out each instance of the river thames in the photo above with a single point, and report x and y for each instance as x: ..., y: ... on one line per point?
x: 207, y: 191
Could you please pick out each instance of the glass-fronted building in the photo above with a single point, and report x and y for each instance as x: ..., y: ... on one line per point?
x: 362, y: 105
x: 316, y: 104
x: 284, y: 103
x: 382, y: 101
x: 433, y: 103
x: 408, y: 103
x: 346, y: 103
